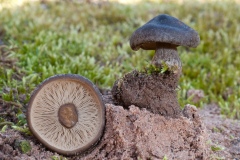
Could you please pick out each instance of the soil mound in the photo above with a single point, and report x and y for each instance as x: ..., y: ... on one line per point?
x: 155, y: 92
x: 140, y: 134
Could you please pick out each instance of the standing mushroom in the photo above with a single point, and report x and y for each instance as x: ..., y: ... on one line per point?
x: 157, y: 92
x: 164, y: 34
x: 66, y: 114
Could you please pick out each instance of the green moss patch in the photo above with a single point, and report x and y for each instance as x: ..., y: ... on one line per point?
x: 92, y: 39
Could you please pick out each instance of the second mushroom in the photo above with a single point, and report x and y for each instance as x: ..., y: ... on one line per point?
x: 157, y: 91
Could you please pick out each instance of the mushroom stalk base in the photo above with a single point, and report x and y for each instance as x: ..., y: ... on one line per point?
x: 155, y: 92
x: 167, y: 53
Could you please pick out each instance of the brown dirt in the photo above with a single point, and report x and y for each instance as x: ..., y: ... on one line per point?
x: 155, y: 92
x: 223, y: 132
x: 10, y: 151
x: 139, y: 134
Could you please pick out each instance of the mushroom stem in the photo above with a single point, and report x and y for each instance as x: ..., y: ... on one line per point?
x: 168, y: 54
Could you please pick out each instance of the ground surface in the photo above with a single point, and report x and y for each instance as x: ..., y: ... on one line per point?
x: 139, y: 134
x: 59, y: 38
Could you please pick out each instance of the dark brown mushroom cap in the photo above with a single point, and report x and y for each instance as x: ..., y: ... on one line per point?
x: 164, y: 29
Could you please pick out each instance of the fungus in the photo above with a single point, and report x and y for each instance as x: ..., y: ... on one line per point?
x: 157, y: 91
x: 164, y: 34
x: 66, y: 114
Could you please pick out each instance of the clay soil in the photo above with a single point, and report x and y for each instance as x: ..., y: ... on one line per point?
x: 139, y: 134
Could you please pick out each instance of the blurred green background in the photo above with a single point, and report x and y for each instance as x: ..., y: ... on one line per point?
x: 91, y: 38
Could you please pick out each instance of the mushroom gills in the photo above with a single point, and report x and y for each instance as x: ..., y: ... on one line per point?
x: 66, y: 113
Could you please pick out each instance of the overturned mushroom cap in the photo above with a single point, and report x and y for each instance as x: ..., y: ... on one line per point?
x: 164, y: 29
x: 66, y: 114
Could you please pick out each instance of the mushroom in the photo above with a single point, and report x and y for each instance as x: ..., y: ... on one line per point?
x: 156, y: 92
x: 66, y: 114
x: 164, y: 34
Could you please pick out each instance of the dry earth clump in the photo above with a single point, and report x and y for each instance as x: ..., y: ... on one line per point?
x: 139, y: 134
x: 155, y: 92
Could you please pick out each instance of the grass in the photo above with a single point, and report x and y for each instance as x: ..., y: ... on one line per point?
x: 92, y: 40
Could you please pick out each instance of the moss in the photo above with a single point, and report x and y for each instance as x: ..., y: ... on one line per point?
x: 58, y: 158
x: 215, y: 129
x: 216, y: 148
x: 53, y: 38
x: 25, y: 146
x: 152, y: 69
